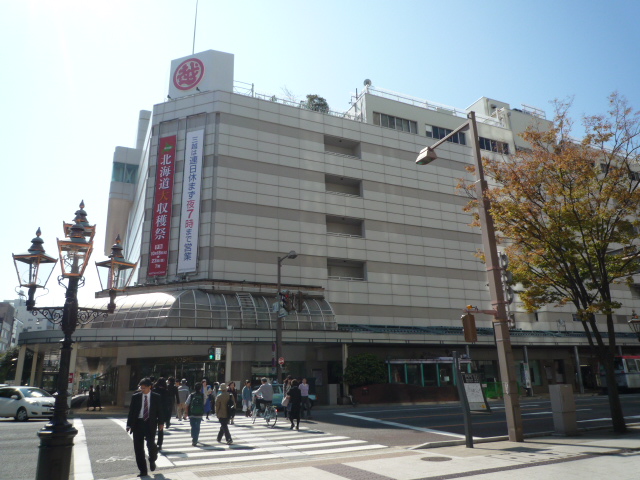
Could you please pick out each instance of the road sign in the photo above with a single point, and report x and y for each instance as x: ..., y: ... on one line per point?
x: 70, y: 377
x: 281, y: 361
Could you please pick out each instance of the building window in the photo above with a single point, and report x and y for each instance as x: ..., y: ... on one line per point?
x: 493, y: 145
x: 396, y: 123
x: 339, y: 269
x: 124, y: 172
x: 438, y: 132
x: 345, y: 226
x: 343, y: 185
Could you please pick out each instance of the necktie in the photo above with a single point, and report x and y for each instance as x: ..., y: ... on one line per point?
x: 145, y: 411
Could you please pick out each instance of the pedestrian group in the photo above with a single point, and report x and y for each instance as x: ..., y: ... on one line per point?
x: 153, y: 406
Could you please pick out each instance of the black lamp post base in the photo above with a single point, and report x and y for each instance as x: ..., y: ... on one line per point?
x: 54, y: 456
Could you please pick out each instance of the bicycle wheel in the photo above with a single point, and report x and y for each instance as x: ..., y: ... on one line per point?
x: 254, y: 413
x: 271, y: 416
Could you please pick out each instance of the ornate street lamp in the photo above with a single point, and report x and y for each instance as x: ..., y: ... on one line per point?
x: 115, y: 274
x: 280, y: 324
x: 56, y: 437
x: 634, y: 324
x: 34, y: 268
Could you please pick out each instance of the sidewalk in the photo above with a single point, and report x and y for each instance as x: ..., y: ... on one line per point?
x: 593, y: 454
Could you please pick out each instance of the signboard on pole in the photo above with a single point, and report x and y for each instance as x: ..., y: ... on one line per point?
x: 474, y: 393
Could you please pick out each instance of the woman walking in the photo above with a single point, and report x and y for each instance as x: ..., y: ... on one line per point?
x: 306, y: 402
x: 286, y: 385
x: 96, y: 398
x: 246, y: 398
x: 207, y: 391
x: 234, y: 394
x: 295, y: 401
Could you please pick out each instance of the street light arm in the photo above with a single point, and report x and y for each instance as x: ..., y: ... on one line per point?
x: 424, y: 153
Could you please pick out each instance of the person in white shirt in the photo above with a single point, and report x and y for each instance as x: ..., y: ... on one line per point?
x: 306, y: 402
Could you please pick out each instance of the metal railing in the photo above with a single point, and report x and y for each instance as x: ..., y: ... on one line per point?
x: 434, y: 106
x: 248, y: 89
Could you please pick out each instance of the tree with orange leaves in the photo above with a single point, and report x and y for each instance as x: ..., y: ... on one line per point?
x: 571, y: 210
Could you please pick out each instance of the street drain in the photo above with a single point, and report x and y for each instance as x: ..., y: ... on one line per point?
x: 436, y: 459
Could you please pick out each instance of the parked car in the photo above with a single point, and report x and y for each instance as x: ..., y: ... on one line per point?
x: 23, y: 403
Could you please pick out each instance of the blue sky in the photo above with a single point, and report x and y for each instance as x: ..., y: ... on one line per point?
x: 76, y: 73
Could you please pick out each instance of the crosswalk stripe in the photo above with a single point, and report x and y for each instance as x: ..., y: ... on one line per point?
x: 253, y: 442
x: 234, y: 459
x: 344, y: 450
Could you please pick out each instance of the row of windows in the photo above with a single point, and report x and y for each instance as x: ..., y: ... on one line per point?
x: 433, y: 131
x: 439, y: 133
x: 493, y: 145
x: 396, y: 123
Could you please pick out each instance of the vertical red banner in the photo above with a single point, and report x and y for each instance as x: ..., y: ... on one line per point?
x: 163, y: 199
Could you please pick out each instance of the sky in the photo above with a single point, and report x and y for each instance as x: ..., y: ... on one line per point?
x: 75, y: 74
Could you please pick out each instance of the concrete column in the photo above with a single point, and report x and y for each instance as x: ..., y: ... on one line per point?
x: 40, y: 369
x: 227, y: 363
x: 345, y: 357
x: 124, y: 373
x: 34, y: 364
x: 527, y: 373
x: 578, y: 371
x: 20, y: 367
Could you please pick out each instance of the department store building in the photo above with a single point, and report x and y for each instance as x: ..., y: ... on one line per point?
x: 224, y: 181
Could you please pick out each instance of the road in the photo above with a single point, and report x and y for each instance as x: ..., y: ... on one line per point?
x: 332, y: 433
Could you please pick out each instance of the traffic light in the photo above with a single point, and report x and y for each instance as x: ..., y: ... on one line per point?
x: 212, y: 353
x: 299, y: 302
x: 287, y: 302
x: 469, y: 327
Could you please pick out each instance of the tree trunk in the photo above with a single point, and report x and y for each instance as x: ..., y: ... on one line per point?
x: 605, y: 356
x: 617, y: 417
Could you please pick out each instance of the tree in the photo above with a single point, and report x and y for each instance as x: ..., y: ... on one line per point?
x: 8, y: 363
x: 364, y: 369
x: 570, y: 210
x: 316, y: 103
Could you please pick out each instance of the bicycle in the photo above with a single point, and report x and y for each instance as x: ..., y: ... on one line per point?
x: 270, y: 413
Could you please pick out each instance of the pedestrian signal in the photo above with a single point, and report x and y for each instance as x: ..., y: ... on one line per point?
x: 212, y: 353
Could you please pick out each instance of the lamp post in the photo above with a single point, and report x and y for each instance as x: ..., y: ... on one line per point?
x: 280, y: 324
x: 634, y: 324
x: 115, y: 274
x: 34, y: 269
x: 500, y: 320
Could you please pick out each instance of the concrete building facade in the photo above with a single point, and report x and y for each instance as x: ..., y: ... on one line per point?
x: 223, y: 181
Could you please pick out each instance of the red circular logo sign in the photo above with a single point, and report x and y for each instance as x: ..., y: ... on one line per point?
x: 188, y: 74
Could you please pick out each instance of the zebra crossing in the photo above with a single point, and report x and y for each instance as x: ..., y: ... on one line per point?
x: 252, y: 442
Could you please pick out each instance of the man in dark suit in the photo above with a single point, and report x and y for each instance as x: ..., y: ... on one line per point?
x: 146, y: 414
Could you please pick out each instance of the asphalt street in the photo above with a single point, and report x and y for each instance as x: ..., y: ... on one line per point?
x: 332, y: 433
